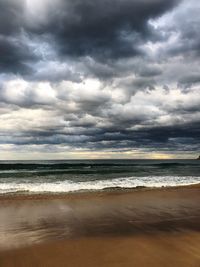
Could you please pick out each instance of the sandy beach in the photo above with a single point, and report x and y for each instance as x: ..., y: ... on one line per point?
x: 141, y: 227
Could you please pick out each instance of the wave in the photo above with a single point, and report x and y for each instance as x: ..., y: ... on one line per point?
x: 70, y: 186
x: 90, y: 165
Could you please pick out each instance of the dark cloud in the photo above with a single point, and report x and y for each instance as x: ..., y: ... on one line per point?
x: 14, y: 53
x: 104, y: 29
x: 190, y: 80
x: 149, y: 71
x: 15, y: 56
x: 111, y: 75
x: 184, y: 137
x: 185, y: 26
x: 11, y: 16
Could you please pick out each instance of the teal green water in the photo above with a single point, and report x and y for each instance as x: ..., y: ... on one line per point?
x: 75, y: 175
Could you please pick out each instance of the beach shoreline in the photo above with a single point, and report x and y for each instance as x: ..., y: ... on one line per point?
x: 103, y: 228
x: 25, y: 195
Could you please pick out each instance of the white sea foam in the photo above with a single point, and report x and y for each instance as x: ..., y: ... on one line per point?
x: 71, y: 186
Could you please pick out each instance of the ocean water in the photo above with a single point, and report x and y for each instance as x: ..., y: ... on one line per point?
x: 89, y: 175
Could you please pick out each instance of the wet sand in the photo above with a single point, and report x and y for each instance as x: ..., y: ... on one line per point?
x: 146, y: 227
x: 163, y: 250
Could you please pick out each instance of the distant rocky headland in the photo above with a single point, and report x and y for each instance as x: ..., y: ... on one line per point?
x: 198, y: 158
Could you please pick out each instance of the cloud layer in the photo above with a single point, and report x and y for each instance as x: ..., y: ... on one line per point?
x: 118, y: 77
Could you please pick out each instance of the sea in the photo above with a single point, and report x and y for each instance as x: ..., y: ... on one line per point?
x: 63, y: 176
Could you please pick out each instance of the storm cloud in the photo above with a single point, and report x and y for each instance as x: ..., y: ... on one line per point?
x: 91, y: 76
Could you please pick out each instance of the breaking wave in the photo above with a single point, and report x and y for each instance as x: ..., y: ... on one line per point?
x: 71, y: 186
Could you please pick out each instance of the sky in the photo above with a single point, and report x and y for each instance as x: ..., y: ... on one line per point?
x: 99, y: 79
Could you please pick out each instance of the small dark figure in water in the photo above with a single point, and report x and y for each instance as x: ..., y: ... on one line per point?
x: 198, y: 158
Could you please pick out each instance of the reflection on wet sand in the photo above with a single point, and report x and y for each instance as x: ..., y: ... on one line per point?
x: 25, y: 221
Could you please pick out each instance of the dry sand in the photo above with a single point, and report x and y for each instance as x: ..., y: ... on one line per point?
x: 158, y: 227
